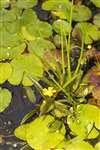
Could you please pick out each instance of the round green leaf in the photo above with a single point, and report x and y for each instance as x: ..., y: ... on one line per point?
x: 38, y: 134
x: 9, y: 40
x: 5, y: 99
x: 28, y: 17
x: 89, y: 35
x: 11, y: 52
x: 53, y: 4
x: 25, y: 4
x: 5, y: 72
x: 81, y: 13
x: 60, y: 8
x: 96, y: 3
x: 96, y: 20
x: 87, y: 117
x: 61, y: 27
x: 25, y: 67
x: 7, y: 15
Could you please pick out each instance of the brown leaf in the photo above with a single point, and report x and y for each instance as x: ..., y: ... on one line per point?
x: 2, y: 139
x: 96, y: 92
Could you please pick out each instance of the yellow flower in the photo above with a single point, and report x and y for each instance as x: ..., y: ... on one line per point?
x: 89, y: 46
x: 49, y: 92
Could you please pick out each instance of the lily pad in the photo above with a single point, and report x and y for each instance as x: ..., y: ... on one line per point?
x: 84, y: 123
x: 11, y: 52
x: 96, y: 20
x: 25, y: 67
x: 5, y: 72
x: 5, y: 99
x: 62, y: 10
x: 96, y: 3
x: 81, y: 13
x: 89, y: 35
x: 28, y: 17
x: 25, y: 4
x: 37, y: 29
x: 39, y: 135
x: 61, y: 27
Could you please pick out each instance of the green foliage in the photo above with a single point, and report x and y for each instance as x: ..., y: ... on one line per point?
x: 89, y: 35
x: 25, y: 4
x: 83, y: 124
x: 25, y: 67
x: 97, y: 146
x: 4, y: 3
x: 5, y: 72
x: 96, y: 19
x: 62, y: 9
x: 59, y: 25
x: 76, y: 144
x: 5, y: 99
x: 96, y: 3
x: 41, y: 133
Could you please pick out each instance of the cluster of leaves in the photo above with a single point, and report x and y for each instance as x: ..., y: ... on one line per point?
x: 25, y: 43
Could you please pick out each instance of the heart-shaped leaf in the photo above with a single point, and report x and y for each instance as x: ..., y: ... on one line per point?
x: 5, y: 99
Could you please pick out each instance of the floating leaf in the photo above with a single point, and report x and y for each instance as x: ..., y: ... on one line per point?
x: 89, y: 35
x: 96, y: 20
x: 5, y: 99
x: 81, y: 13
x: 5, y: 72
x: 97, y: 146
x: 11, y: 52
x: 28, y: 17
x: 61, y: 27
x: 62, y: 8
x: 83, y: 124
x: 38, y: 134
x: 75, y: 144
x: 25, y: 67
x: 96, y: 3
x: 41, y: 29
x: 7, y: 15
x: 25, y: 4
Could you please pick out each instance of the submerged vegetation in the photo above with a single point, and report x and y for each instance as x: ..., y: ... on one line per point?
x: 64, y: 54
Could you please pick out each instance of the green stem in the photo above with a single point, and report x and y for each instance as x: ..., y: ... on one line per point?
x: 68, y: 46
